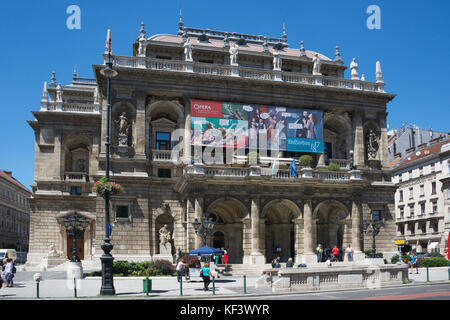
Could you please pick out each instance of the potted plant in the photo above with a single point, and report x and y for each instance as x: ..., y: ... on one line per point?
x: 305, y: 161
x: 334, y: 167
x: 104, y: 185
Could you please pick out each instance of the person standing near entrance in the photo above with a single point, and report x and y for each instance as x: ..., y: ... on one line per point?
x: 349, y: 251
x: 335, y: 251
x: 206, y: 274
x: 225, y: 256
x: 319, y: 250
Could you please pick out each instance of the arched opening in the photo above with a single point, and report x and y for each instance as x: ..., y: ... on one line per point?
x: 337, y: 138
x: 228, y: 228
x: 331, y: 224
x: 164, y: 220
x: 279, y: 229
x: 76, y: 154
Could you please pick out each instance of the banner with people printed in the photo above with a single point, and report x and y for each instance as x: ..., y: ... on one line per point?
x: 256, y: 126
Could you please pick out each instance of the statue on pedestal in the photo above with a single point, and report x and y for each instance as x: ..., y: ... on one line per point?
x: 123, y: 129
x: 316, y: 65
x: 372, y: 145
x: 233, y: 55
x: 53, y: 253
x: 164, y: 240
x: 354, y: 68
x: 276, y: 60
x: 187, y: 51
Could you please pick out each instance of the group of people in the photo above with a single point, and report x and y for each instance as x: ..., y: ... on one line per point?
x: 276, y: 263
x: 7, y: 273
x: 333, y: 254
x: 205, y: 271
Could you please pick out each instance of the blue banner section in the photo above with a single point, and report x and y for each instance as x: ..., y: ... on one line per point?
x: 305, y: 145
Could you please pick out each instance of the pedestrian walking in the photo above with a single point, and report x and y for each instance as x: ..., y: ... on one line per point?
x: 225, y: 256
x: 9, y: 274
x: 206, y: 274
x: 349, y: 251
x: 335, y: 252
x: 414, y: 263
x: 319, y: 251
x: 180, y: 266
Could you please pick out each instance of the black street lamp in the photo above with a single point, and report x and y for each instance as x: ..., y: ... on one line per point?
x: 352, y: 167
x: 375, y: 225
x: 73, y: 224
x: 207, y: 226
x: 107, y: 259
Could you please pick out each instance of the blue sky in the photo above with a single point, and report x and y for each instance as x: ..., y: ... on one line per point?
x: 413, y: 47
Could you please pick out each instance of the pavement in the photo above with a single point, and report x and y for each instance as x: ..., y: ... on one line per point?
x: 56, y: 286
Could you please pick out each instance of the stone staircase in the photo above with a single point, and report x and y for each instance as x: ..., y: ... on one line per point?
x: 240, y: 269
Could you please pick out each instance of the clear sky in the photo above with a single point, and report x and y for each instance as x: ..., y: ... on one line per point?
x: 413, y: 47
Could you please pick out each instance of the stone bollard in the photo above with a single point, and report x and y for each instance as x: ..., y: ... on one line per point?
x: 37, y: 278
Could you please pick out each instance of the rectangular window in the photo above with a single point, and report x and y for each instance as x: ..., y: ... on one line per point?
x: 164, y: 173
x: 435, y: 206
x: 122, y: 212
x: 411, y: 211
x: 411, y: 193
x: 433, y: 188
x: 401, y: 195
x: 402, y: 212
x: 75, y: 191
x: 421, y: 171
x: 410, y: 174
x: 422, y: 208
x: 376, y: 215
x: 422, y: 190
x: 163, y: 141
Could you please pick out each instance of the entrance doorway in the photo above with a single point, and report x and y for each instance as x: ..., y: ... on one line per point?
x: 218, y: 240
x: 80, y: 245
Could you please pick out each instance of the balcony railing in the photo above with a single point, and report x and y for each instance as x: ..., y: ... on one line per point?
x: 70, y: 107
x: 343, y: 163
x: 163, y: 155
x: 76, y: 177
x: 245, y: 72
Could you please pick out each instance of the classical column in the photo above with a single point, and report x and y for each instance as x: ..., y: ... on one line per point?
x: 358, y: 147
x: 383, y: 144
x: 298, y: 240
x: 140, y: 127
x: 256, y: 256
x: 187, y: 139
x: 308, y: 242
x: 356, y: 227
x: 198, y: 215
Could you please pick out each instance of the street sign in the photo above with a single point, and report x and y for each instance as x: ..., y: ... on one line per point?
x: 400, y: 242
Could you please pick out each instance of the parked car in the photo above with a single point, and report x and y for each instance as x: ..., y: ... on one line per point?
x: 8, y: 253
x: 423, y: 255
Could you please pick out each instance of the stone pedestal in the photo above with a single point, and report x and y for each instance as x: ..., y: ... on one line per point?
x: 308, y: 258
x: 306, y: 173
x: 75, y: 270
x: 254, y: 258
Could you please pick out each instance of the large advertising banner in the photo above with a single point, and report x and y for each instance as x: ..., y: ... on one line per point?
x: 244, y: 125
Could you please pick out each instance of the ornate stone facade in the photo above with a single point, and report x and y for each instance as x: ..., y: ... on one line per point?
x: 256, y: 214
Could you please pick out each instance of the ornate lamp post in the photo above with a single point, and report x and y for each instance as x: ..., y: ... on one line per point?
x: 107, y: 259
x: 375, y: 225
x: 206, y: 228
x: 72, y: 225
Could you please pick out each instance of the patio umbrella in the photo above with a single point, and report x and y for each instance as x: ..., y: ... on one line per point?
x: 205, y: 252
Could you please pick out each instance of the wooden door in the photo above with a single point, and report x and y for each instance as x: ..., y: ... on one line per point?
x: 80, y: 245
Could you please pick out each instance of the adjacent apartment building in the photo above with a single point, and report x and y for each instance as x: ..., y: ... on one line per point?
x: 179, y: 94
x: 14, y: 213
x: 423, y: 196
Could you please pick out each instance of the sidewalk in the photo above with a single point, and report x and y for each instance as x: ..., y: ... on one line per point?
x: 164, y: 287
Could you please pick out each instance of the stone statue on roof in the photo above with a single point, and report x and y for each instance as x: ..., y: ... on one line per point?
x: 316, y: 65
x: 233, y: 55
x: 276, y: 60
x: 187, y: 50
x: 354, y: 68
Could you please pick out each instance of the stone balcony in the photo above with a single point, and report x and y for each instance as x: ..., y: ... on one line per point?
x: 71, y: 107
x: 245, y: 72
x: 76, y: 177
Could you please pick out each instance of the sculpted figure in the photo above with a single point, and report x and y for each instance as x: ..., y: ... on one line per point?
x: 187, y: 51
x: 164, y: 235
x: 372, y: 145
x: 276, y: 60
x: 317, y: 64
x: 354, y: 68
x: 124, y: 124
x: 233, y: 55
